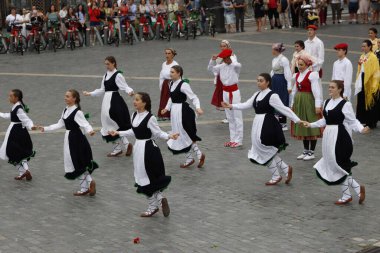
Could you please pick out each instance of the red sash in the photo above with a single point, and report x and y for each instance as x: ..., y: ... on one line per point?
x: 230, y: 89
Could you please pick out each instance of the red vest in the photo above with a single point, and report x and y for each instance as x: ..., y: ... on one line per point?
x: 305, y: 85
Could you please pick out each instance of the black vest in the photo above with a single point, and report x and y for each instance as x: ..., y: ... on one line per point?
x: 110, y: 84
x: 177, y: 96
x: 263, y: 106
x: 70, y: 123
x: 14, y: 117
x: 334, y: 116
x: 142, y: 132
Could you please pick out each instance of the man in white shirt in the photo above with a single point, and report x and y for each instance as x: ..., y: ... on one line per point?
x: 342, y: 69
x: 314, y: 47
x: 13, y: 18
x: 229, y: 72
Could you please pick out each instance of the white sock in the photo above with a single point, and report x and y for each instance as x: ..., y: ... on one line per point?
x: 83, y: 182
x: 153, y: 204
x: 159, y: 197
x: 274, y: 170
x: 125, y: 142
x: 346, y: 194
x: 189, y: 157
x: 116, y: 148
x: 354, y: 185
x: 196, y: 150
x: 281, y: 165
x: 21, y: 169
x: 88, y: 178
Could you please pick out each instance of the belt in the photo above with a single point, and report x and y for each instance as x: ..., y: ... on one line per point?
x: 230, y: 89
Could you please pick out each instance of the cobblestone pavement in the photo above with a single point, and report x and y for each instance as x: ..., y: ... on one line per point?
x: 224, y: 207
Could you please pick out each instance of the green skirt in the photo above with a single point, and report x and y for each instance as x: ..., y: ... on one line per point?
x: 304, y: 107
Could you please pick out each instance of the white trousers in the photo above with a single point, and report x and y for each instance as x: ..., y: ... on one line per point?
x: 234, y: 117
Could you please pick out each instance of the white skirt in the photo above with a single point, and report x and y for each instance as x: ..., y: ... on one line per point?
x: 3, y: 149
x: 141, y: 177
x: 183, y: 141
x: 260, y: 152
x: 327, y: 166
x: 67, y: 162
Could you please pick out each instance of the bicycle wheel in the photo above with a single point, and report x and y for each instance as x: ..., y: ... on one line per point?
x: 80, y: 39
x: 194, y: 28
x: 72, y: 43
x: 168, y: 33
x: 37, y: 45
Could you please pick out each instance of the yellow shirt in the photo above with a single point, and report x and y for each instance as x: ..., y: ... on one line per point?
x: 374, y: 44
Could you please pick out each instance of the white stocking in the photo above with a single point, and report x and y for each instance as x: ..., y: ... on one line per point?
x: 21, y: 169
x: 125, y: 141
x: 346, y: 194
x: 116, y: 148
x: 153, y: 204
x: 83, y: 182
x: 196, y: 150
x: 189, y: 157
x: 354, y: 185
x: 274, y: 170
x: 281, y: 165
x: 158, y: 196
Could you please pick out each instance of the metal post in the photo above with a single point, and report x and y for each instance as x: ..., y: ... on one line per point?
x: 11, y: 45
x: 105, y: 37
x: 50, y: 34
x: 88, y: 37
x: 141, y: 32
x: 219, y: 17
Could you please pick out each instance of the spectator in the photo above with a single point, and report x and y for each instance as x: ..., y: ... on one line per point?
x: 132, y: 11
x: 162, y: 7
x: 93, y: 13
x: 62, y: 16
x: 363, y: 10
x: 259, y: 10
x: 375, y: 6
x: 102, y: 10
x: 229, y: 16
x: 285, y: 7
x: 239, y: 6
x: 107, y: 9
x: 115, y: 9
x: 81, y: 16
x: 336, y: 13
x: 295, y: 7
x: 353, y: 7
x: 372, y: 34
x: 322, y: 8
x: 52, y: 16
x: 172, y: 7
x: 272, y: 12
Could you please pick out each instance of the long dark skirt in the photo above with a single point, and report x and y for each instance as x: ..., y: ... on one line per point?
x: 81, y: 155
x: 367, y: 117
x: 217, y: 97
x: 155, y: 169
x: 188, y: 122
x: 280, y: 87
x: 19, y: 145
x: 164, y: 98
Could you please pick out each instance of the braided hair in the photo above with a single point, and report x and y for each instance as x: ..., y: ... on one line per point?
x: 19, y: 95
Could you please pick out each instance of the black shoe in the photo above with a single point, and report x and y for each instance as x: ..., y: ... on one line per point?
x: 237, y: 31
x: 243, y: 31
x: 271, y: 27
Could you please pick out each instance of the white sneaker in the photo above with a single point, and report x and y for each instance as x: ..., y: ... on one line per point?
x: 290, y: 27
x: 284, y: 127
x: 309, y: 156
x: 283, y: 27
x: 225, y: 121
x: 302, y: 156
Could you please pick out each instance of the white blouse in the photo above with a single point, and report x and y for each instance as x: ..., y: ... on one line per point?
x: 274, y: 101
x: 342, y: 70
x: 349, y: 116
x: 157, y: 133
x: 185, y: 88
x: 316, y: 48
x: 79, y: 119
x: 229, y: 73
x: 316, y: 87
x: 281, y: 64
x: 120, y: 82
x: 25, y: 120
x: 165, y: 72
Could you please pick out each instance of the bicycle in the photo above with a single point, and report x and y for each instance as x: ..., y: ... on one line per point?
x: 180, y: 27
x: 145, y: 29
x: 163, y: 26
x: 57, y: 40
x: 210, y: 21
x: 18, y: 42
x: 113, y: 32
x: 193, y: 22
x: 129, y: 30
x: 35, y: 38
x: 74, y: 36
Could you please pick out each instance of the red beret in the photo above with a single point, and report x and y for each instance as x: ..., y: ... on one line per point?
x: 225, y: 53
x: 314, y: 27
x: 341, y: 46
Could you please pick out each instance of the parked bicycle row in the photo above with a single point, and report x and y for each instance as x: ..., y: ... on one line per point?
x: 40, y: 34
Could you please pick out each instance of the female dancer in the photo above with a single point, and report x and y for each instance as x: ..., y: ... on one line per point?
x: 17, y: 146
x: 306, y: 103
x: 170, y: 53
x: 367, y: 87
x: 183, y: 119
x: 77, y: 153
x: 147, y: 159
x: 335, y: 165
x: 267, y: 136
x: 217, y: 97
x: 115, y: 113
x: 281, y: 78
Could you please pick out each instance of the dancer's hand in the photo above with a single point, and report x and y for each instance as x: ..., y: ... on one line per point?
x: 41, y: 128
x: 289, y: 91
x: 174, y: 136
x: 113, y: 133
x: 318, y: 110
x: 86, y: 93
x: 214, y: 57
x: 226, y: 105
x: 305, y: 124
x: 131, y: 93
x: 366, y: 130
x: 92, y: 133
x: 35, y: 128
x: 199, y: 111
x: 163, y: 111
